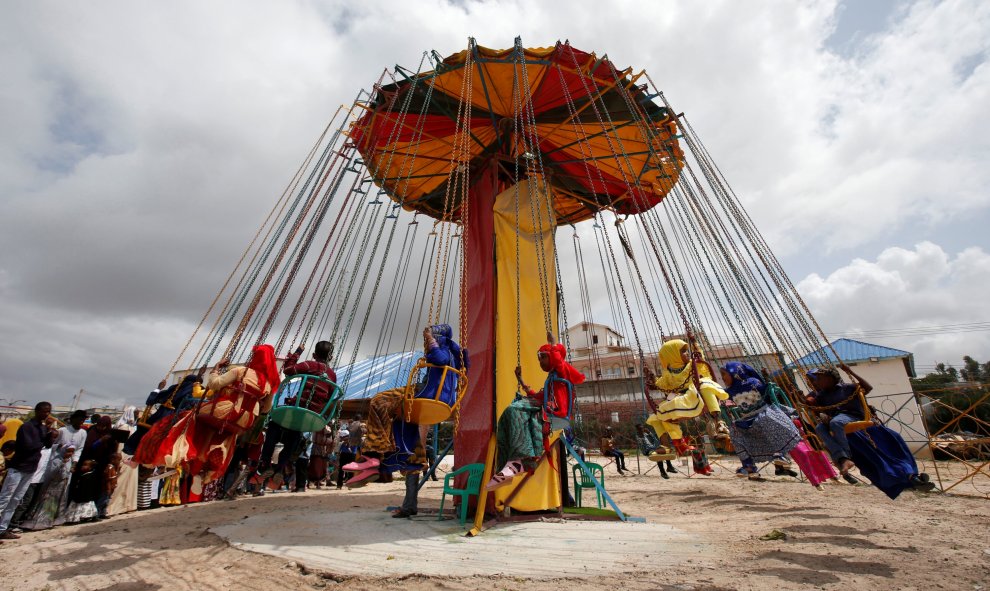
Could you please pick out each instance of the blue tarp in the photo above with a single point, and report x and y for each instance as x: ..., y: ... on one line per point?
x: 366, y: 378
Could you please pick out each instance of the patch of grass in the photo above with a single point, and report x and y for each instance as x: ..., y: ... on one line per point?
x: 590, y: 511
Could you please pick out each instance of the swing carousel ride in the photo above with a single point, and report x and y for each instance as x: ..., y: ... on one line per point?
x: 498, y: 190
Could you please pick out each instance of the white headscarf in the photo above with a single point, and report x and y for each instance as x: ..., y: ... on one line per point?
x: 127, y: 421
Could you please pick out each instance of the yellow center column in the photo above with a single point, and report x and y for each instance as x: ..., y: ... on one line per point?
x: 520, y: 288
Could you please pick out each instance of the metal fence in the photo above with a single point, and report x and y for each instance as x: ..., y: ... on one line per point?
x: 950, y: 442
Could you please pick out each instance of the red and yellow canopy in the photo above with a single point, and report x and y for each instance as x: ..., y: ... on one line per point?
x: 601, y: 141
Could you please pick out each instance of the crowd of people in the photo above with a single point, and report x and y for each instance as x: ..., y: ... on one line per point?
x: 201, y: 442
x: 53, y: 476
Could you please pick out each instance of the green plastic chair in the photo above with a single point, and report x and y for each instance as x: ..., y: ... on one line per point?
x: 473, y: 487
x: 583, y: 481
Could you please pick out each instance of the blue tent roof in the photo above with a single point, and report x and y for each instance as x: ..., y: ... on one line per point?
x: 851, y: 351
x: 366, y: 378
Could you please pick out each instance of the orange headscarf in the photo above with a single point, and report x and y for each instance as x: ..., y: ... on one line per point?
x: 263, y: 364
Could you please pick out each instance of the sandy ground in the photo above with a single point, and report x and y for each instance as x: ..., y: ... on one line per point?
x: 846, y: 537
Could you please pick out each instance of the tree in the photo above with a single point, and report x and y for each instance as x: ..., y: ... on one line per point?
x: 974, y: 371
x: 944, y: 376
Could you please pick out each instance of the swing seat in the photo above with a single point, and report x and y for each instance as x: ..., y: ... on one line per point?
x: 426, y: 408
x: 662, y: 455
x: 558, y: 422
x: 854, y: 426
x: 306, y: 403
x: 867, y: 421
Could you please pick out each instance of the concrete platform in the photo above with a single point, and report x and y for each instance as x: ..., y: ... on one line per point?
x: 363, y: 542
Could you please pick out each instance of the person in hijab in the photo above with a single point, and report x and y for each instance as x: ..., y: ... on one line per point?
x: 203, y: 441
x: 685, y: 400
x: 240, y: 395
x: 319, y: 458
x: 555, y: 398
x: 392, y: 444
x: 166, y: 403
x: 762, y: 431
x: 314, y: 397
x: 100, y: 443
x: 525, y: 426
x: 878, y: 452
x: 127, y: 421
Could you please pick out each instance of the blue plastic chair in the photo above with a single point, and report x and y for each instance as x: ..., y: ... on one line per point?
x: 472, y: 487
x: 583, y: 481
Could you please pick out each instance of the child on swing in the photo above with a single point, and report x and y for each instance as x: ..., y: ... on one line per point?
x: 688, y: 396
x: 393, y: 444
x: 525, y: 426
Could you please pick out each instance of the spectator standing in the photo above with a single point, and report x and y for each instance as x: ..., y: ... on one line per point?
x: 33, y: 436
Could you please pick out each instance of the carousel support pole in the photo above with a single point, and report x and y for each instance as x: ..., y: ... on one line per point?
x: 477, y: 410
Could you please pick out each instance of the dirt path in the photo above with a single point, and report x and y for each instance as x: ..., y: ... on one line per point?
x: 847, y: 537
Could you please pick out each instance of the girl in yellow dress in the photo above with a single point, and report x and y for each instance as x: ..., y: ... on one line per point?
x: 684, y: 401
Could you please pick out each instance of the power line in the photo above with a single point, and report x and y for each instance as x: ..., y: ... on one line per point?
x: 960, y: 328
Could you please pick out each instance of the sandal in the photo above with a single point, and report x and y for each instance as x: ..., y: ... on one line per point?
x: 362, y: 478
x: 505, y: 475
x: 850, y: 478
x: 367, y: 464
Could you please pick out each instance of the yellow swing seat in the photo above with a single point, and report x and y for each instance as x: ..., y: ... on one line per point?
x: 867, y: 421
x: 431, y: 410
x: 854, y: 426
x: 662, y: 455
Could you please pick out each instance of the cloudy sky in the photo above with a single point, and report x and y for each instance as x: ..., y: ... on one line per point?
x: 143, y: 141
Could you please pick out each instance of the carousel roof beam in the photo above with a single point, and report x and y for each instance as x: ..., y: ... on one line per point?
x: 452, y: 117
x: 489, y: 60
x: 588, y: 137
x: 617, y: 182
x: 591, y: 205
x: 413, y: 176
x: 591, y: 100
x: 401, y: 121
x: 590, y: 158
x: 419, y: 156
x: 488, y: 100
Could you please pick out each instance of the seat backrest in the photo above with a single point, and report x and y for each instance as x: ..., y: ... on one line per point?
x: 475, y: 473
x: 548, y: 390
x: 776, y: 395
x: 580, y: 476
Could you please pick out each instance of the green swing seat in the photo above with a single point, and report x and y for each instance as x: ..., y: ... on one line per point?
x: 306, y: 403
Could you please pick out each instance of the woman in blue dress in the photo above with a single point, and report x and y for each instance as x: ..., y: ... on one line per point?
x: 761, y: 431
